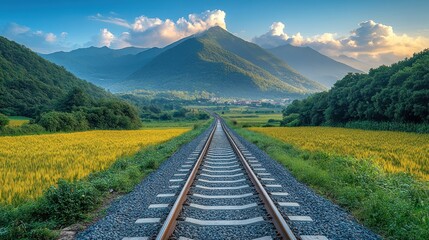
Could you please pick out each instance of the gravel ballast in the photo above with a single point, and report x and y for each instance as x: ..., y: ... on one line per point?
x: 119, y: 221
x: 328, y: 219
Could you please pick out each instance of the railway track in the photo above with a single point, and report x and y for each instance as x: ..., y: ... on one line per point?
x: 225, y: 194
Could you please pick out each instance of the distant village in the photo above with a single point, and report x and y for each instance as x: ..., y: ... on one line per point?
x: 255, y: 103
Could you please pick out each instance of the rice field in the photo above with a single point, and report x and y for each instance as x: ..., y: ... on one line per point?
x: 392, y: 151
x: 31, y: 164
x: 256, y: 119
x: 18, y: 121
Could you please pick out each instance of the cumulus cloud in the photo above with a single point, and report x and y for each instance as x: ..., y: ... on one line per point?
x: 50, y: 37
x: 108, y: 39
x: 155, y: 32
x: 276, y: 36
x: 39, y: 41
x: 372, y: 42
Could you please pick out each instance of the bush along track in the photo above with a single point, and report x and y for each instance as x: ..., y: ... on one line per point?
x: 394, y: 205
x: 73, y: 201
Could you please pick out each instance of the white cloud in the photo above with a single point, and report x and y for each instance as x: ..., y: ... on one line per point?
x: 373, y: 43
x: 106, y: 37
x: 50, y: 37
x: 39, y: 41
x: 114, y: 20
x: 155, y: 32
x: 276, y: 36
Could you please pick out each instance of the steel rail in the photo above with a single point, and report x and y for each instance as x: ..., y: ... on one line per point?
x: 169, y: 225
x: 279, y: 222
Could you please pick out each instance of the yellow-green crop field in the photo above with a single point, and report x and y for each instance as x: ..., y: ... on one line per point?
x: 30, y: 164
x: 393, y: 151
x: 253, y: 119
x: 16, y: 121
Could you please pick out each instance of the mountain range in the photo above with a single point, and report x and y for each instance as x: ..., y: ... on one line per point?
x: 219, y: 62
x: 215, y: 61
x: 353, y: 62
x: 103, y: 66
x: 313, y: 64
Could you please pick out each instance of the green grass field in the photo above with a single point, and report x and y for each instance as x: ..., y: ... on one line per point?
x: 173, y: 124
x: 252, y: 119
x: 16, y: 121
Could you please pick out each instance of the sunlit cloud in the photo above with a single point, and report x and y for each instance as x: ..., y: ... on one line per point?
x: 155, y: 32
x: 373, y: 43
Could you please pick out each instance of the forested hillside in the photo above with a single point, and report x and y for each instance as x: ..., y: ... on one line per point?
x: 30, y: 84
x: 398, y: 93
x: 55, y: 99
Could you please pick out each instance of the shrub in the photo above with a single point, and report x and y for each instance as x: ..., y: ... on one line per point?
x: 203, y: 116
x: 68, y: 202
x: 62, y: 121
x: 165, y: 117
x: 291, y: 120
x: 4, y: 120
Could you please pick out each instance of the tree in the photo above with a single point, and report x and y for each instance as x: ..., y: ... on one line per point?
x: 399, y: 93
x: 75, y: 98
x: 62, y: 121
x: 4, y: 120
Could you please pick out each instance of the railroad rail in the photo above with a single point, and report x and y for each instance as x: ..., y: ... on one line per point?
x: 219, y: 159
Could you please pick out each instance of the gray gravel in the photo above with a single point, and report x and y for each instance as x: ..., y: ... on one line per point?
x: 122, y: 214
x: 250, y: 231
x: 328, y: 219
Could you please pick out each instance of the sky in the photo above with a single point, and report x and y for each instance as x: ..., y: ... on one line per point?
x: 374, y: 32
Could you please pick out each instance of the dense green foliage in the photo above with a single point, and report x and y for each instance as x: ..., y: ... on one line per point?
x: 223, y: 64
x: 63, y: 121
x: 70, y: 202
x: 25, y: 129
x: 30, y: 85
x: 399, y: 93
x: 78, y: 112
x: 394, y: 205
x: 58, y: 101
x: 4, y: 120
x: 164, y: 109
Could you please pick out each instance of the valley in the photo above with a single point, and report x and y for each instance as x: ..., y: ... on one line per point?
x: 140, y: 121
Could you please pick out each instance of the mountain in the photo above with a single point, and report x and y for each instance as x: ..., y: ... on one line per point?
x: 103, y: 66
x: 29, y: 83
x: 219, y: 62
x: 313, y: 64
x: 353, y: 62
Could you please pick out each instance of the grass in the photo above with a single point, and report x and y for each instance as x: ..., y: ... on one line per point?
x: 73, y: 201
x: 388, y: 126
x: 170, y: 124
x: 394, y: 205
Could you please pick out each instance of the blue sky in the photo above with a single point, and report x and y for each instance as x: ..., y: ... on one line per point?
x: 66, y: 25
